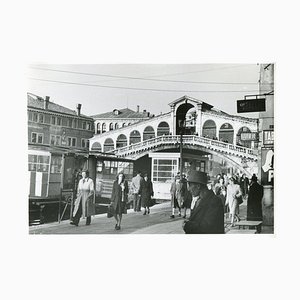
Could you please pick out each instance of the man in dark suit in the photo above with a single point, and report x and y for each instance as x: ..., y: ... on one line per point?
x: 208, y: 213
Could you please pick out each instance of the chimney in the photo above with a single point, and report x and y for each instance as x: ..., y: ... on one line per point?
x: 46, y: 102
x: 78, y: 109
x: 138, y: 108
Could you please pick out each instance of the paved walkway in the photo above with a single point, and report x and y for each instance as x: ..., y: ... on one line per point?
x: 157, y: 222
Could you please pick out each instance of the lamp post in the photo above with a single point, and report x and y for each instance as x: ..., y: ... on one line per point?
x: 182, y: 130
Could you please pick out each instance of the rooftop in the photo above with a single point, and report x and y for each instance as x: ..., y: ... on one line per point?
x: 124, y: 113
x: 38, y: 102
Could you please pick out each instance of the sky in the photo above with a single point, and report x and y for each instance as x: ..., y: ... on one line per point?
x: 102, y: 87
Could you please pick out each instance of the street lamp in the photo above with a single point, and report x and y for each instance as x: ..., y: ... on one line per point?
x: 182, y: 131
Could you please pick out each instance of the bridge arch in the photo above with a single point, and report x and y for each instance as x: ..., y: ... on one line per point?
x: 134, y: 137
x: 239, y: 141
x: 111, y: 126
x: 163, y: 128
x: 96, y: 146
x: 226, y: 133
x: 108, y: 145
x: 209, y: 129
x: 116, y: 125
x: 103, y: 127
x: 148, y: 133
x: 121, y: 141
x: 181, y: 116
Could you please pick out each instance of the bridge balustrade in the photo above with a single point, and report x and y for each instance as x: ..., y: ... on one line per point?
x: 186, y: 139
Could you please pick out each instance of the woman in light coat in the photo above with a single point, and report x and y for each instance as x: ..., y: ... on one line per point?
x: 233, y: 192
x: 84, y: 205
x: 119, y: 198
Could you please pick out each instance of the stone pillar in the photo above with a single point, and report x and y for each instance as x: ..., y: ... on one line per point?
x: 268, y: 205
x: 173, y: 121
x: 199, y: 124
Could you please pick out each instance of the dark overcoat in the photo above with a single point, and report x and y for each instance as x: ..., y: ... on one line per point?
x: 207, y: 217
x: 177, y: 197
x: 146, y: 191
x: 116, y: 197
x: 254, y: 204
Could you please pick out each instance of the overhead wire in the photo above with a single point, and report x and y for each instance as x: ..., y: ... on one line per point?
x: 139, y: 78
x: 141, y: 89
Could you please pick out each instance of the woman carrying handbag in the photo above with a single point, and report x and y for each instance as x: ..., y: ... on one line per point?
x: 119, y: 198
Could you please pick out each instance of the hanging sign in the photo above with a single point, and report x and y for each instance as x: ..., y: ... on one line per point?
x: 249, y: 136
x: 253, y: 105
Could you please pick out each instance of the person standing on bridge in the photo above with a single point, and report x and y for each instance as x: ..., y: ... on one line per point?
x: 85, y: 203
x: 136, y: 191
x: 119, y: 198
x: 208, y: 213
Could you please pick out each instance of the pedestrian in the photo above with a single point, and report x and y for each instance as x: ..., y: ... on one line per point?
x: 119, y: 198
x: 244, y: 184
x: 187, y: 197
x: 84, y: 205
x: 220, y: 191
x: 177, y: 194
x: 207, y: 215
x: 146, y: 193
x: 254, y: 203
x: 232, y: 199
x: 135, y: 187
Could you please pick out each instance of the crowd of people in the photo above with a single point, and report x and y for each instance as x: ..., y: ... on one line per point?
x: 202, y: 206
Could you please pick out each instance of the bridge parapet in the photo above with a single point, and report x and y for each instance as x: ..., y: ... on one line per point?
x: 207, y: 143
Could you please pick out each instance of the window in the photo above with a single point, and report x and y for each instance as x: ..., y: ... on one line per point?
x: 72, y: 141
x: 35, y: 117
x: 74, y: 125
x: 37, y: 138
x: 41, y: 118
x: 88, y: 126
x: 58, y: 121
x: 84, y: 143
x: 70, y: 121
x: 111, y: 126
x: 38, y: 163
x: 55, y: 164
x: 55, y: 140
x: 164, y: 170
x: 104, y: 127
x: 29, y: 113
x: 83, y: 125
x: 116, y: 126
x: 53, y: 120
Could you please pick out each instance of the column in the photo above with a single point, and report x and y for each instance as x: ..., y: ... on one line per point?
x: 199, y: 119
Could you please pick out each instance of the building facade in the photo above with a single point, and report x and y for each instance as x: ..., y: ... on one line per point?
x: 54, y: 134
x: 118, y: 118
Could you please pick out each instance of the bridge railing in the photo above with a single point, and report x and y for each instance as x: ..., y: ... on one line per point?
x: 186, y: 139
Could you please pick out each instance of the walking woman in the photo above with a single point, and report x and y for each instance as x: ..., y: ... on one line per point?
x: 220, y: 191
x: 146, y: 193
x: 119, y: 198
x: 85, y: 203
x: 233, y: 193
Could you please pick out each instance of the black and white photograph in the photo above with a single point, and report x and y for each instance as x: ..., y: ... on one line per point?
x: 151, y: 149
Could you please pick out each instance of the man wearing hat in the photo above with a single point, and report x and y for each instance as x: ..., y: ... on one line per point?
x: 208, y: 213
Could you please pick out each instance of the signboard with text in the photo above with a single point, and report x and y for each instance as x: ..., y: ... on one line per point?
x: 249, y: 136
x: 253, y: 105
x: 267, y: 169
x: 268, y: 137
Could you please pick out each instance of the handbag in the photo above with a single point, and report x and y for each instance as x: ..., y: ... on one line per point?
x: 110, y: 211
x: 239, y: 199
